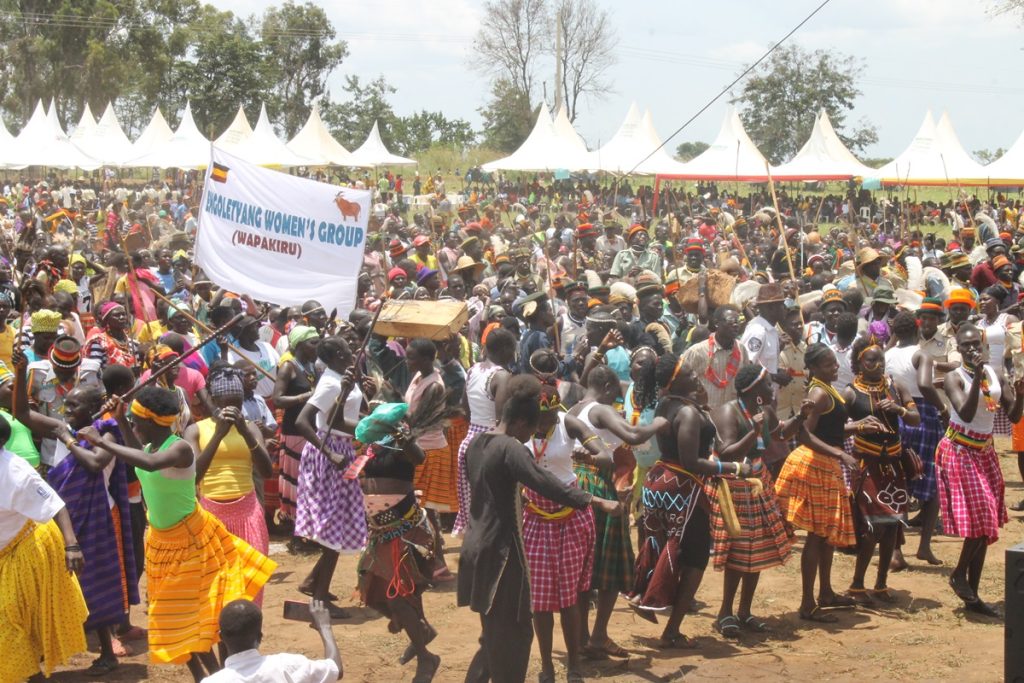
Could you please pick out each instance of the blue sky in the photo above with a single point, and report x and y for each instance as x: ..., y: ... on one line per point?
x: 673, y: 56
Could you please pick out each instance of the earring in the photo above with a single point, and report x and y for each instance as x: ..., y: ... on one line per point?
x: 760, y: 401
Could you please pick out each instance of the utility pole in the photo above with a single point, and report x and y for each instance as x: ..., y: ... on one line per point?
x: 558, y: 59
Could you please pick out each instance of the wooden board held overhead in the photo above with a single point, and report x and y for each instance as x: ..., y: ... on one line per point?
x: 428, y: 319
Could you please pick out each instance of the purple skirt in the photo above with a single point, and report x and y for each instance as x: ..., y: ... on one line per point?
x: 330, y: 507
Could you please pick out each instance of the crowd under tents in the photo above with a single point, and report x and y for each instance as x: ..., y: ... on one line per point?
x: 935, y: 156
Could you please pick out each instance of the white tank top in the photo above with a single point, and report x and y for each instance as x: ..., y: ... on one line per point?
x: 899, y: 364
x: 995, y: 337
x: 610, y: 440
x: 555, y: 452
x: 983, y: 417
x: 478, y: 394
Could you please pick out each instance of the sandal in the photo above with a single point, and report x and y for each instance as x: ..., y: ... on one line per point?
x: 101, y: 667
x: 609, y: 649
x: 546, y: 677
x: 728, y: 626
x: 818, y: 616
x: 676, y: 641
x: 574, y: 676
x: 755, y: 624
x: 861, y: 596
x: 884, y: 595
x: 838, y: 601
x: 963, y: 591
x: 118, y: 648
x: 979, y: 606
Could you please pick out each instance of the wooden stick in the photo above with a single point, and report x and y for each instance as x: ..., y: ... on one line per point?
x: 176, y: 362
x: 208, y: 329
x: 782, y: 238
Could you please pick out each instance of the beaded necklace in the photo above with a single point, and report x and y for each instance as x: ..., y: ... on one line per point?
x: 828, y: 389
x: 875, y: 391
x: 731, y: 367
x: 991, y: 405
x: 750, y: 420
x: 538, y: 451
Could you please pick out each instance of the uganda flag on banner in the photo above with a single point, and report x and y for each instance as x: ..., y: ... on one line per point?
x: 219, y: 173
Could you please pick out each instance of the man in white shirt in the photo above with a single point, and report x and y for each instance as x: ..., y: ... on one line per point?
x: 761, y: 338
x: 241, y: 630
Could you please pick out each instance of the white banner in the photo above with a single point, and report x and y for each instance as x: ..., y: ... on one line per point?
x: 280, y: 238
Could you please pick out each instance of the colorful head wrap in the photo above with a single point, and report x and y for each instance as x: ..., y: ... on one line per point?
x: 931, y: 305
x: 301, y: 333
x: 226, y: 383
x: 396, y: 272
x: 77, y: 258
x: 997, y: 263
x: 142, y: 412
x: 66, y: 286
x: 46, y: 320
x: 108, y: 307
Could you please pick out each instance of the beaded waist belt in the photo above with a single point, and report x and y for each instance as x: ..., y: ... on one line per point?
x: 968, y: 438
x: 877, y: 450
x: 557, y: 516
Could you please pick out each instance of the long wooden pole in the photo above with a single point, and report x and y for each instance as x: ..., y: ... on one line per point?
x: 782, y: 238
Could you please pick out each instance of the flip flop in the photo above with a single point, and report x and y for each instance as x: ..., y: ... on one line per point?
x: 979, y: 606
x: 676, y: 642
x: 729, y: 627
x: 755, y: 624
x: 817, y: 616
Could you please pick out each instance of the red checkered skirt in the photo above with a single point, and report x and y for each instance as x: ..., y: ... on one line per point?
x: 971, y: 489
x: 765, y: 542
x: 559, y: 554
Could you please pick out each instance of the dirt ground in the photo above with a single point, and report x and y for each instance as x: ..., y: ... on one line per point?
x: 926, y: 635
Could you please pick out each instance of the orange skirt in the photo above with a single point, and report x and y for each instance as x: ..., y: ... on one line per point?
x: 813, y: 497
x: 436, y: 478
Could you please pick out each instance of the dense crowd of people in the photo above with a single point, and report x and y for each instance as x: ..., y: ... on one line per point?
x: 157, y: 424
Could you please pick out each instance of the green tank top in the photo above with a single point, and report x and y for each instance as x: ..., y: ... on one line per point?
x: 21, y: 443
x: 168, y: 500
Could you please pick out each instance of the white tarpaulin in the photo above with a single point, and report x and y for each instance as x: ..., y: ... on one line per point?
x: 187, y: 148
x: 823, y: 157
x: 281, y: 238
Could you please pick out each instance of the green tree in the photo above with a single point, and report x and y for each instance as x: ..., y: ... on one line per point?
x: 508, y: 117
x: 225, y: 67
x: 987, y: 156
x: 301, y: 52
x: 350, y: 121
x: 690, y: 150
x: 782, y: 96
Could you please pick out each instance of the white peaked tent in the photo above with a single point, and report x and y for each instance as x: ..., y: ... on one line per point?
x: 105, y: 141
x: 635, y: 139
x: 262, y: 147
x: 6, y: 141
x: 42, y: 142
x: 732, y: 156
x: 86, y: 127
x: 373, y: 153
x: 316, y: 143
x: 155, y: 133
x: 565, y: 130
x: 934, y: 157
x: 186, y: 148
x: 1006, y: 170
x: 543, y: 150
x: 237, y: 133
x: 823, y: 157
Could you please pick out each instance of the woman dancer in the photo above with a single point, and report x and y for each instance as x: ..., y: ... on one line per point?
x: 484, y: 383
x: 613, y: 552
x: 193, y: 565
x: 746, y: 428
x: 971, y: 488
x: 230, y: 448
x: 638, y: 407
x: 812, y: 493
x: 675, y: 530
x: 109, y: 342
x: 330, y: 507
x: 559, y: 540
x: 995, y: 325
x: 41, y: 604
x: 879, y: 486
x: 296, y: 376
x: 395, y: 569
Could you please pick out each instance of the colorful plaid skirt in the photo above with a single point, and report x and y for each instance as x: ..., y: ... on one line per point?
x: 330, y: 507
x: 288, y: 466
x: 462, y: 483
x: 613, y: 550
x: 559, y: 544
x: 41, y: 605
x: 436, y: 477
x: 813, y: 496
x: 923, y: 439
x: 1001, y: 424
x: 672, y: 527
x: 764, y: 542
x: 971, y: 488
x: 194, y: 568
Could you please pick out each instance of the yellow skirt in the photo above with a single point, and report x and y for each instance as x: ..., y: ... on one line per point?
x: 195, y: 568
x: 813, y: 497
x: 41, y: 605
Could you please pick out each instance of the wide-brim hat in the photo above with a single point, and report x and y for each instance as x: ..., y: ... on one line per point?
x: 867, y: 255
x: 770, y: 293
x: 467, y: 263
x: 884, y: 295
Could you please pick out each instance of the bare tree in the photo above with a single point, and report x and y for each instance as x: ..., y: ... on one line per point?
x: 587, y: 51
x: 513, y: 34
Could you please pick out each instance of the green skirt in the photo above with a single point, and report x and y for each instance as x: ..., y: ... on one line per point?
x: 613, y: 551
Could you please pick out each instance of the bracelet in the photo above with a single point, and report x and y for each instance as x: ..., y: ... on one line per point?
x: 737, y: 468
x: 69, y: 442
x: 72, y: 548
x: 598, y: 355
x: 588, y: 439
x: 719, y: 463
